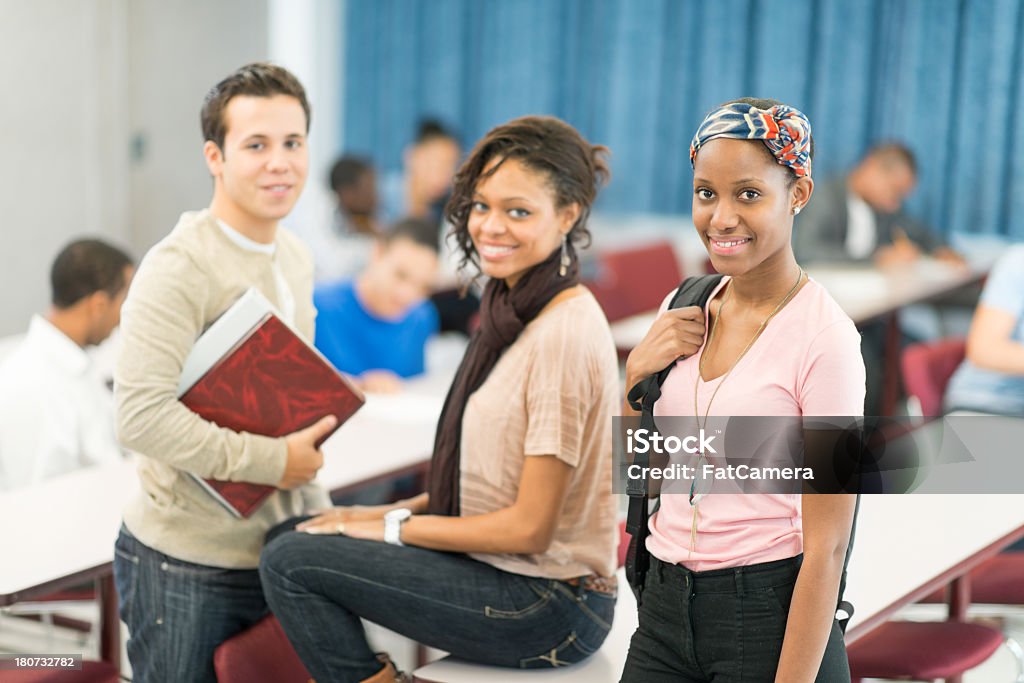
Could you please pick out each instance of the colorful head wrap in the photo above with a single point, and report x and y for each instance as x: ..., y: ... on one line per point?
x: 785, y: 131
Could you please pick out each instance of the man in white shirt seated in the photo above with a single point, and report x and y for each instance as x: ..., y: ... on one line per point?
x: 56, y: 412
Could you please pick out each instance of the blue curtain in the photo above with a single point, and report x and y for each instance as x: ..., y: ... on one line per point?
x: 945, y: 76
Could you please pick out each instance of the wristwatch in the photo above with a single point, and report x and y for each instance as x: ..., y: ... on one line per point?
x: 393, y: 525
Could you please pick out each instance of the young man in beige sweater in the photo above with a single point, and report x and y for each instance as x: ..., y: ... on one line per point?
x: 185, y: 568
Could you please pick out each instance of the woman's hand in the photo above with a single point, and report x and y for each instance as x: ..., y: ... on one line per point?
x: 368, y: 529
x: 327, y: 522
x: 675, y: 333
x: 380, y: 382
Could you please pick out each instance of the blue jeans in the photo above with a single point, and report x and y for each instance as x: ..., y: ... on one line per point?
x: 723, y: 625
x: 320, y: 586
x: 178, y: 612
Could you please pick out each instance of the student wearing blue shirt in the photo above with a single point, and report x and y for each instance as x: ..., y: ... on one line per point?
x: 991, y: 379
x: 376, y: 326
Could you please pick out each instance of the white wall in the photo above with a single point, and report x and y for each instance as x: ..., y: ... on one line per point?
x: 178, y: 50
x: 61, y: 128
x: 82, y: 80
x: 306, y: 38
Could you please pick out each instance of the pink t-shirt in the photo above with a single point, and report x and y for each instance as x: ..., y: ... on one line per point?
x: 807, y: 361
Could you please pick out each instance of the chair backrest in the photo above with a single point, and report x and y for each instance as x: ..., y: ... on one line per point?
x: 260, y: 653
x: 927, y: 368
x: 631, y: 281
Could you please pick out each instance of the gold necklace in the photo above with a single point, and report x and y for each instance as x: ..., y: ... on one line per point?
x: 695, y: 497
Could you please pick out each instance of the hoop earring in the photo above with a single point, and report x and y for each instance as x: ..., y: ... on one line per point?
x: 563, y: 266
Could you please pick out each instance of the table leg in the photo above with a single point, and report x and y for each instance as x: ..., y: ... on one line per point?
x: 891, y: 365
x: 110, y: 621
x: 959, y: 601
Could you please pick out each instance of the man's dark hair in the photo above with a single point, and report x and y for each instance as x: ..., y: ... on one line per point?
x: 423, y: 232
x: 258, y: 79
x: 432, y: 129
x: 347, y: 171
x: 891, y: 152
x: 85, y: 267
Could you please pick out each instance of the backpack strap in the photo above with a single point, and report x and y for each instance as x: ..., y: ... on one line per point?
x: 693, y: 291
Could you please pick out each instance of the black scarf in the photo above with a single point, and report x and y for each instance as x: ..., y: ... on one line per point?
x: 504, y: 313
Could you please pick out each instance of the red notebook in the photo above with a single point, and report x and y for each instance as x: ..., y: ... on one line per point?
x: 251, y: 372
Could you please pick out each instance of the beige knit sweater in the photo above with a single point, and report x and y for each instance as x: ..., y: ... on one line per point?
x: 183, y: 284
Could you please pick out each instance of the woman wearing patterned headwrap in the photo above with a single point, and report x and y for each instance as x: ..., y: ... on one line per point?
x: 744, y: 587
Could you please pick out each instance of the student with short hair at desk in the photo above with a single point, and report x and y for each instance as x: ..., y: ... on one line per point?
x: 859, y: 217
x: 343, y: 239
x: 185, y: 568
x: 991, y: 378
x: 56, y: 414
x: 744, y: 587
x: 508, y: 558
x: 376, y: 326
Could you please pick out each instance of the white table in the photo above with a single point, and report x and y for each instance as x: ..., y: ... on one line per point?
x: 61, y: 532
x: 908, y: 546
x: 389, y: 435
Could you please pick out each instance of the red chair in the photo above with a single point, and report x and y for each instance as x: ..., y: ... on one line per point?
x: 636, y: 280
x: 260, y: 653
x: 997, y: 581
x: 921, y: 651
x: 92, y: 672
x: 927, y: 368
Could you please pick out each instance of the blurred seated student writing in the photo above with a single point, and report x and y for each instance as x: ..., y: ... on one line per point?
x: 991, y: 378
x: 56, y: 413
x: 860, y: 218
x: 508, y: 558
x: 376, y: 326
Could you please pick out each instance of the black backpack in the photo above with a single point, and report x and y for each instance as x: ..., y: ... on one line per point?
x: 693, y: 291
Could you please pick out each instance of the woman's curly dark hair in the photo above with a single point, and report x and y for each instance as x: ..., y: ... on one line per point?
x: 575, y: 171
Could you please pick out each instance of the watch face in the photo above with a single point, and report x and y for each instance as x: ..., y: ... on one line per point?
x: 399, y: 515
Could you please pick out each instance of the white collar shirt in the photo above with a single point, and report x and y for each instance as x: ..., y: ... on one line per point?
x: 862, y: 229
x: 56, y: 413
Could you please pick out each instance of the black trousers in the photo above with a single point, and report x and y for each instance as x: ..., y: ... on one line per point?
x: 720, y: 626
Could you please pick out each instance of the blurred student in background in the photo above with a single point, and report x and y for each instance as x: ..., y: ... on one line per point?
x: 991, y: 378
x: 354, y: 182
x: 860, y: 218
x: 421, y: 188
x: 185, y: 567
x: 420, y: 191
x: 56, y: 412
x: 342, y: 242
x: 509, y: 557
x: 377, y: 325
